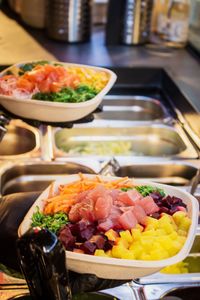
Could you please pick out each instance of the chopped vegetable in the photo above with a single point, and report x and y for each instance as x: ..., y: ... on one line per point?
x: 80, y: 94
x: 146, y: 190
x: 52, y: 222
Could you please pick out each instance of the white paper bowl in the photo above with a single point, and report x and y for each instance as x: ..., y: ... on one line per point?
x: 48, y: 111
x: 114, y: 268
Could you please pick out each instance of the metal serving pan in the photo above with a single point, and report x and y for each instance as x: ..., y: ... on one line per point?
x: 135, y: 141
x: 176, y: 173
x: 35, y: 176
x: 20, y: 141
x: 132, y: 108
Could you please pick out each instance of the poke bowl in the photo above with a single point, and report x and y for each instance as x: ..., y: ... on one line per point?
x: 116, y: 228
x: 53, y: 91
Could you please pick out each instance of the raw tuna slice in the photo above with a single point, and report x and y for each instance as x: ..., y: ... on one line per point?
x: 106, y: 225
x: 139, y: 213
x: 103, y: 207
x: 74, y: 214
x: 128, y: 198
x: 149, y: 205
x: 128, y: 220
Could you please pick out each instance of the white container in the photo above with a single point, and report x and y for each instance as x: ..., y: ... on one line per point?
x: 114, y: 268
x: 48, y: 111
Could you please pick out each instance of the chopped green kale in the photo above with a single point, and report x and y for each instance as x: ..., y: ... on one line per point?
x: 51, y: 222
x: 68, y: 95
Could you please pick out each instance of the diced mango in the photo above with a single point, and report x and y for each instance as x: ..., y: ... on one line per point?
x: 99, y: 252
x: 136, y: 234
x: 136, y: 248
x: 185, y: 224
x: 126, y: 235
x: 109, y: 253
x: 128, y: 255
x: 159, y: 253
x: 178, y: 216
x: 182, y: 232
x: 147, y: 242
x: 122, y: 242
x: 150, y: 232
x: 173, y: 235
x: 145, y: 256
x: 167, y: 223
x: 166, y: 242
x: 151, y: 223
x: 112, y: 235
x: 160, y: 232
x: 117, y: 251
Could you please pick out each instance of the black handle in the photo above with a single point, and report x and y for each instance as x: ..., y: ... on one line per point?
x: 43, y: 263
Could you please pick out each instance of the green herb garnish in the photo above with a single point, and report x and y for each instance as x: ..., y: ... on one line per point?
x: 125, y: 189
x: 51, y: 222
x: 145, y: 190
x: 69, y: 95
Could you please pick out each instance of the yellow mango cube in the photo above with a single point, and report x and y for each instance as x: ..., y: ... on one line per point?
x: 100, y: 252
x: 112, y: 235
x: 147, y: 242
x: 159, y: 253
x: 122, y: 242
x: 126, y: 235
x: 118, y: 251
x: 166, y: 242
x: 136, y: 234
x: 145, y: 256
x: 109, y: 253
x: 128, y: 255
x: 178, y: 216
x: 136, y: 248
x: 151, y: 223
x: 184, y: 224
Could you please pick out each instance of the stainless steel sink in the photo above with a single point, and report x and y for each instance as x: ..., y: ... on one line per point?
x: 115, y: 140
x: 132, y: 108
x: 35, y: 176
x: 20, y: 140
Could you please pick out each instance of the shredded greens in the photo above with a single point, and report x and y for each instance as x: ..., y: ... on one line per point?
x: 80, y: 94
x: 146, y: 190
x: 51, y: 222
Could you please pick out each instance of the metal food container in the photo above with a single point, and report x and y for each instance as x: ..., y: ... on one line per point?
x: 69, y: 20
x: 137, y: 21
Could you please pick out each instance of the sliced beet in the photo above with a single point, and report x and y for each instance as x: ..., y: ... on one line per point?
x: 88, y: 247
x: 66, y: 238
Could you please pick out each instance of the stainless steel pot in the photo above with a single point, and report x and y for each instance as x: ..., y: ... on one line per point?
x: 69, y: 20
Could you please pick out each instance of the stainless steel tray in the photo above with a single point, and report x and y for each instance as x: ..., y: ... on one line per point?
x: 20, y: 141
x: 136, y: 140
x: 176, y: 173
x: 35, y: 176
x: 132, y: 108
